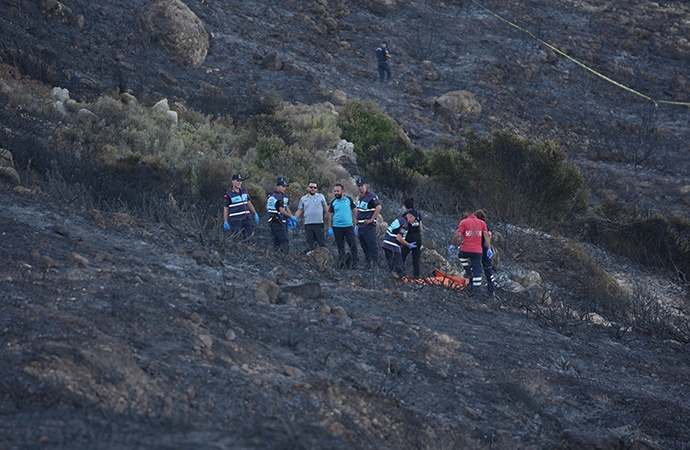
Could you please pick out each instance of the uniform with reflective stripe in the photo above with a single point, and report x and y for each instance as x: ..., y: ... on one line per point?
x: 237, y: 203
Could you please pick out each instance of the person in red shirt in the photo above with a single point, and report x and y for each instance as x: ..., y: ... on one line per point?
x: 470, y: 233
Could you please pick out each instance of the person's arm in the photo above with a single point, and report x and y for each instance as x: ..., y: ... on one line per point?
x: 456, y: 238
x: 401, y: 240
x: 354, y: 217
x: 487, y: 239
x: 420, y: 226
x: 377, y: 211
x: 251, y: 207
x: 226, y: 211
x: 299, y: 213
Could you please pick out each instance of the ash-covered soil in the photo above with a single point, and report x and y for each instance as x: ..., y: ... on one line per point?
x: 116, y: 333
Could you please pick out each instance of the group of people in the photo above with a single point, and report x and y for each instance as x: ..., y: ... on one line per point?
x: 348, y: 220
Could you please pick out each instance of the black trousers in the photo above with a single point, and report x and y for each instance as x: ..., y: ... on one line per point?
x: 314, y: 232
x: 343, y: 234
x: 416, y: 252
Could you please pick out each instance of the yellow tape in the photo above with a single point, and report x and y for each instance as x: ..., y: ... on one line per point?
x: 584, y: 66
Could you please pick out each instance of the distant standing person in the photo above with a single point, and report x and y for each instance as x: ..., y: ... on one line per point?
x: 368, y: 210
x: 414, y: 234
x: 313, y: 206
x: 342, y: 216
x: 237, y: 207
x: 487, y: 261
x: 280, y: 216
x: 470, y: 232
x: 396, y: 239
x: 382, y: 56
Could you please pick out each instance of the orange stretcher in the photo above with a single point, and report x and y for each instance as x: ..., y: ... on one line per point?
x: 439, y: 279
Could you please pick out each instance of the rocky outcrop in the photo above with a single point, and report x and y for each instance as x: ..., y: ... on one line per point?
x: 459, y: 102
x: 179, y: 30
x: 8, y: 173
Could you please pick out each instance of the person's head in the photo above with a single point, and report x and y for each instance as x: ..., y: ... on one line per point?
x: 311, y: 187
x: 468, y: 210
x: 281, y: 184
x: 408, y: 203
x: 384, y: 44
x: 338, y: 190
x: 480, y: 214
x: 361, y: 185
x: 411, y: 215
x: 237, y: 180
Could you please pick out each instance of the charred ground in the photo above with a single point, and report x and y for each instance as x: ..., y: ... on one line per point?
x: 119, y: 334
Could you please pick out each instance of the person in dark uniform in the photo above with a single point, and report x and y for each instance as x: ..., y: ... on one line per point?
x: 382, y: 56
x: 414, y: 234
x: 368, y: 209
x: 280, y: 217
x: 236, y: 209
x: 396, y: 239
x: 487, y: 261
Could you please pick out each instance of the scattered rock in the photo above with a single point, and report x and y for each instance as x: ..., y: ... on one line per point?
x: 79, y: 259
x: 310, y: 290
x: 267, y: 287
x: 206, y: 258
x: 460, y: 102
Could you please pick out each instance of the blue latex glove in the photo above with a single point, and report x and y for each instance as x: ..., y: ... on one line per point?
x: 452, y: 249
x: 356, y: 230
x: 330, y: 231
x: 413, y: 245
x: 226, y: 226
x: 489, y: 253
x: 256, y: 218
x: 292, y: 224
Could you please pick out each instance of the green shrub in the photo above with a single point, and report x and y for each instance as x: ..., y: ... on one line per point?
x: 522, y: 182
x: 383, y: 150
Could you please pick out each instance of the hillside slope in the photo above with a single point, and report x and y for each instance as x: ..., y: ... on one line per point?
x: 633, y: 152
x: 117, y: 333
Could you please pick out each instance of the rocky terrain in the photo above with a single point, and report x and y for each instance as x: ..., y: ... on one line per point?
x: 121, y: 333
x: 118, y: 334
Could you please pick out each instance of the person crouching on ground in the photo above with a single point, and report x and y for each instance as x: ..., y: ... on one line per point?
x: 395, y: 240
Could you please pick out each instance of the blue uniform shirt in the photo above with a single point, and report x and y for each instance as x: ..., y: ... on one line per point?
x: 342, y: 211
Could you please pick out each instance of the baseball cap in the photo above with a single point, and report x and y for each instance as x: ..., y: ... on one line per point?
x: 237, y: 177
x: 361, y: 182
x: 281, y: 181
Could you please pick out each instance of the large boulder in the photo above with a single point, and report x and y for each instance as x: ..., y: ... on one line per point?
x: 179, y: 30
x: 8, y: 173
x: 459, y: 102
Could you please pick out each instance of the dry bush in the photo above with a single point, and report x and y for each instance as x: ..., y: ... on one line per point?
x: 313, y: 127
x: 654, y: 240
